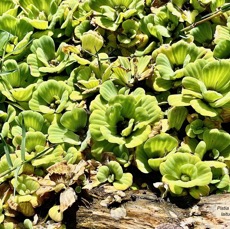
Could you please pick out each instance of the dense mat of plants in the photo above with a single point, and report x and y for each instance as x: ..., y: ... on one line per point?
x: 92, y: 90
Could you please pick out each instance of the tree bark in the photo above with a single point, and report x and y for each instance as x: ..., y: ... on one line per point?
x: 144, y: 210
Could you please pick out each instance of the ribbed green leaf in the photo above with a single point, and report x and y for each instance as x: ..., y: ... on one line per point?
x: 125, y: 182
x: 160, y: 145
x: 74, y: 119
x: 202, y: 108
x: 103, y: 173
x: 116, y: 169
x: 92, y: 41
x: 108, y: 90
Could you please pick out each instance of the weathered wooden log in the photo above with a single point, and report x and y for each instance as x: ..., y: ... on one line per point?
x: 144, y: 210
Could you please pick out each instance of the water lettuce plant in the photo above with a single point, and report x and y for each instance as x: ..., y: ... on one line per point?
x: 154, y: 151
x: 111, y: 14
x: 160, y: 24
x: 211, y: 148
x: 64, y: 129
x: 50, y: 97
x: 120, y: 118
x: 220, y: 180
x: 205, y: 87
x: 17, y: 85
x: 86, y: 79
x: 39, y: 14
x: 45, y: 59
x: 19, y: 35
x: 126, y: 72
x: 113, y: 173
x: 172, y: 60
x: 184, y: 172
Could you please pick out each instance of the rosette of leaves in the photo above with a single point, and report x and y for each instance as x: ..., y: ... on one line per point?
x: 160, y: 24
x: 86, y: 79
x: 91, y: 43
x: 113, y: 173
x: 67, y: 16
x: 184, y: 13
x: 172, y: 60
x: 65, y: 129
x: 72, y: 155
x: 45, y: 59
x: 24, y: 204
x: 186, y: 173
x: 122, y: 155
x: 25, y: 185
x: 220, y: 180
x: 130, y: 38
x: 214, y: 146
x: 122, y: 118
x: 110, y: 14
x: 50, y: 17
x: 50, y: 97
x: 195, y: 129
x: 128, y: 34
x: 197, y: 125
x: 35, y: 127
x: 38, y: 14
x: 205, y: 87
x: 127, y: 71
x: 154, y: 151
x: 18, y: 84
x: 19, y: 33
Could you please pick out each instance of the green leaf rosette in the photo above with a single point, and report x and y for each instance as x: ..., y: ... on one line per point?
x: 113, y: 173
x: 160, y: 24
x: 220, y: 181
x: 64, y: 128
x: 205, y: 88
x: 18, y: 84
x: 171, y: 62
x: 214, y: 146
x: 86, y: 79
x: 122, y: 118
x: 50, y: 97
x: 154, y: 151
x: 19, y: 33
x: 186, y: 172
x: 45, y: 59
x: 110, y: 14
x: 38, y: 14
x: 127, y: 71
x: 25, y: 185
